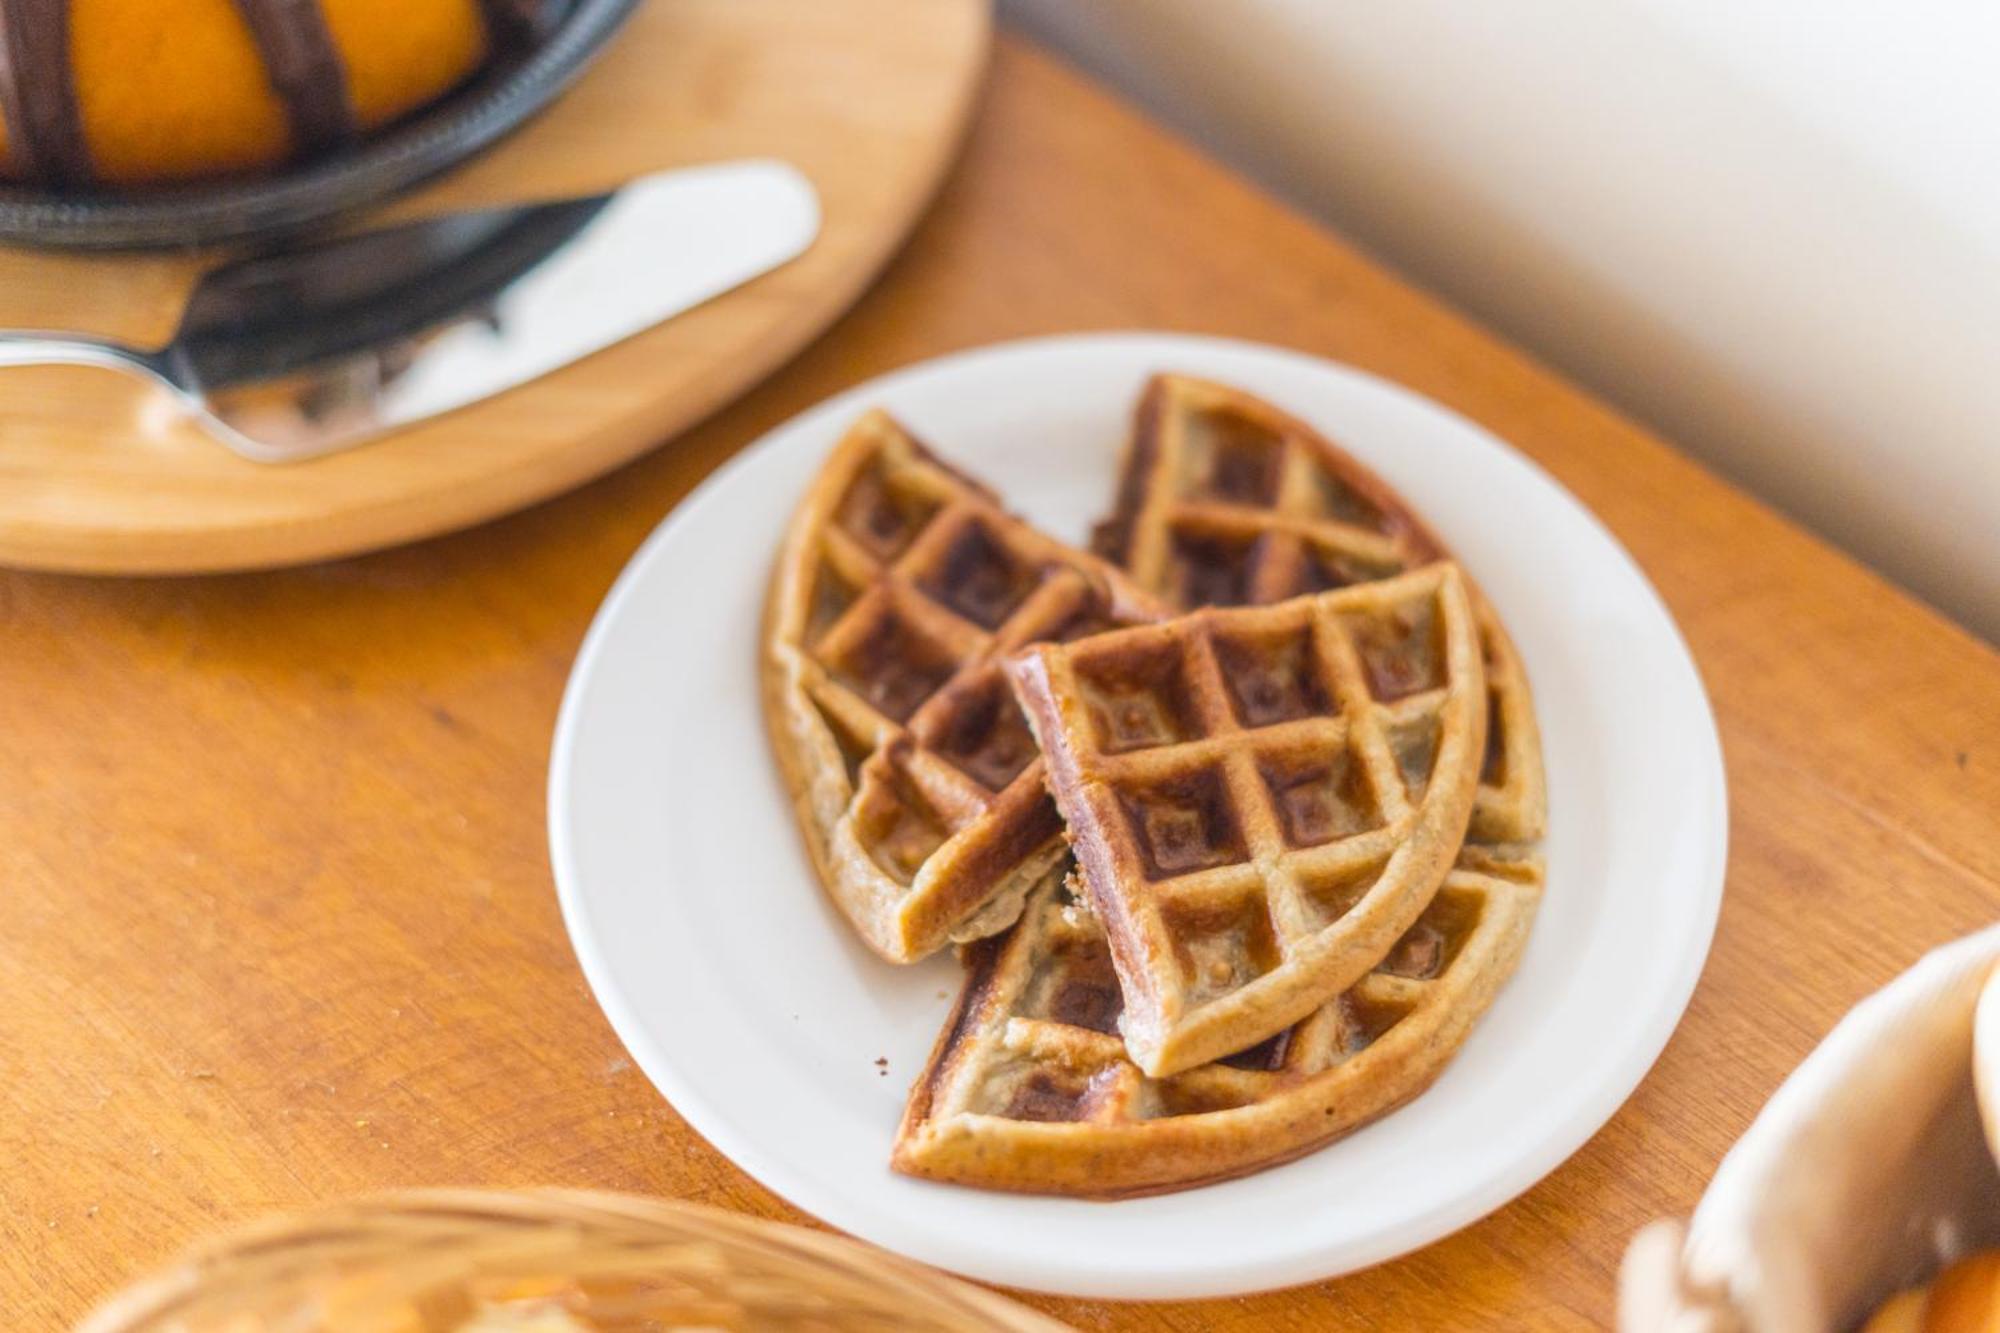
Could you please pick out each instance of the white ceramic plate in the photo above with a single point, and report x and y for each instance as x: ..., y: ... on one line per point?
x: 743, y: 995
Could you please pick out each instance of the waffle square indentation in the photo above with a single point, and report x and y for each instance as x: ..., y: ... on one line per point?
x: 1321, y: 798
x: 882, y: 513
x: 831, y: 596
x: 1327, y: 897
x: 1334, y: 498
x: 1137, y: 698
x: 1232, y: 460
x: 894, y: 665
x: 1364, y: 1020
x: 1077, y: 987
x: 1401, y: 649
x: 1428, y: 947
x: 896, y: 825
x: 978, y: 577
x: 1326, y: 568
x: 1493, y: 766
x: 1273, y: 678
x: 1414, y: 742
x: 1183, y: 825
x: 1211, y: 571
x: 1222, y: 949
x: 1047, y: 1096
x: 979, y: 729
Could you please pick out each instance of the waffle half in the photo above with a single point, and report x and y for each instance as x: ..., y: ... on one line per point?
x: 1261, y: 799
x: 1029, y: 1087
x: 1223, y: 499
x: 916, y: 781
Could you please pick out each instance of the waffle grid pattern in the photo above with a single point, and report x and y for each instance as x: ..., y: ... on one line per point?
x: 1236, y: 504
x: 1226, y: 501
x: 918, y: 582
x: 1033, y: 1090
x: 1238, y: 782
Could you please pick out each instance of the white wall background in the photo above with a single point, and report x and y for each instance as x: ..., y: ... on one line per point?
x: 1770, y: 228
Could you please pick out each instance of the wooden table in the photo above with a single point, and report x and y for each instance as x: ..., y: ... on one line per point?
x: 279, y: 920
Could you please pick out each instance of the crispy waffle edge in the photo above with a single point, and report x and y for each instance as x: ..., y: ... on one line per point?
x: 1517, y: 815
x: 809, y: 758
x: 1135, y: 1160
x: 1161, y: 1043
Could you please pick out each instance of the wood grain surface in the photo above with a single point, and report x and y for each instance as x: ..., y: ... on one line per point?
x: 868, y: 98
x: 280, y: 925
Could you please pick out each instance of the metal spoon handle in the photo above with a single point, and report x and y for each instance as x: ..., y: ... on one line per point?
x: 26, y: 348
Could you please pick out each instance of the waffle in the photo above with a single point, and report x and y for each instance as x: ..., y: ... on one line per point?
x: 1224, y: 500
x: 900, y: 584
x: 1029, y: 1087
x: 1261, y: 798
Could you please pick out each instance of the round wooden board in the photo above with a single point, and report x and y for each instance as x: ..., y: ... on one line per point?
x: 868, y: 98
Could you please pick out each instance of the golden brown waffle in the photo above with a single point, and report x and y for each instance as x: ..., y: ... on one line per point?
x: 1223, y: 499
x: 1262, y: 798
x: 1029, y: 1087
x: 916, y: 782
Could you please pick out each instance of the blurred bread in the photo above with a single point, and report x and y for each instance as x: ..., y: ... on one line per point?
x: 1964, y: 1299
x: 1986, y: 1060
x: 1870, y: 1170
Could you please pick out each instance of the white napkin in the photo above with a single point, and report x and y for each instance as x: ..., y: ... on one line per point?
x: 1865, y: 1172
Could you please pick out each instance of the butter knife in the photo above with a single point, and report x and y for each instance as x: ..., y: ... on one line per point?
x: 298, y: 352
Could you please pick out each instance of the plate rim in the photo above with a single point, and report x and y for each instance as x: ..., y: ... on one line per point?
x: 1555, y: 1145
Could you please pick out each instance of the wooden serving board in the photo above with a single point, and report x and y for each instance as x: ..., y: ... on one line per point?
x: 869, y: 98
